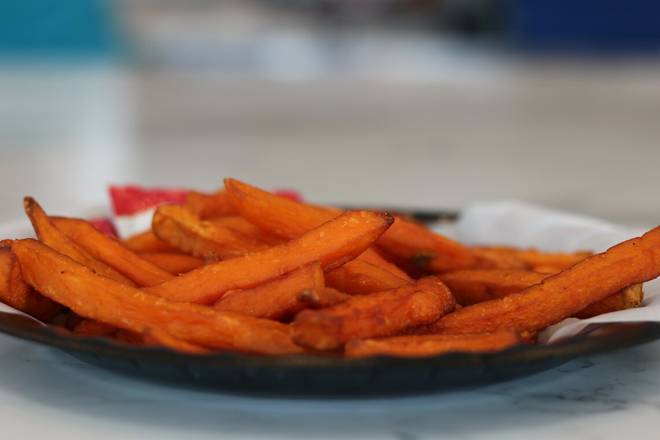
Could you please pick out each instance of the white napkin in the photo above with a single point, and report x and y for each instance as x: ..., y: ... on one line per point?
x: 523, y: 225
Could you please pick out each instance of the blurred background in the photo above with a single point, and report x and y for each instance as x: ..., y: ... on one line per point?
x: 415, y: 103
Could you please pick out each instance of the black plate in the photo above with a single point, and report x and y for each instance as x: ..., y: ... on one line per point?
x: 309, y: 375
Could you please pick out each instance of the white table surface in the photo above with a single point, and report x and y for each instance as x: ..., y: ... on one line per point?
x: 586, y: 141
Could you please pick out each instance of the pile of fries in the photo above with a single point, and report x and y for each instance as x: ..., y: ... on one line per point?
x: 246, y: 270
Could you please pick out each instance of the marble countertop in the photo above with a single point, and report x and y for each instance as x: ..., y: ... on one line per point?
x: 48, y: 394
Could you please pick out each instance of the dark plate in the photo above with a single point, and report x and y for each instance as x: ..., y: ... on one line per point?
x: 308, y: 375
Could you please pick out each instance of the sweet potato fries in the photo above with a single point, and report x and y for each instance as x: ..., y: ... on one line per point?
x: 246, y: 270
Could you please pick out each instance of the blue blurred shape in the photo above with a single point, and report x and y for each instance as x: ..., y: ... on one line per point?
x: 592, y: 25
x: 53, y: 28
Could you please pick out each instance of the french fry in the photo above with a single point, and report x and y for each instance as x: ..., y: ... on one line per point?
x: 247, y: 229
x: 17, y: 294
x: 161, y: 338
x: 279, y: 215
x: 73, y: 285
x: 379, y: 314
x: 534, y: 259
x: 404, y: 239
x: 425, y: 249
x: 53, y: 237
x: 148, y: 242
x: 173, y: 262
x: 289, y: 219
x: 111, y: 252
x: 276, y: 299
x: 473, y: 286
x: 359, y: 277
x: 432, y: 345
x: 629, y: 298
x: 332, y: 244
x: 565, y: 294
x: 184, y: 230
x: 209, y: 205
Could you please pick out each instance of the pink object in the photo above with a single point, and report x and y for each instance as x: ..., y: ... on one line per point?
x: 104, y: 225
x: 132, y: 199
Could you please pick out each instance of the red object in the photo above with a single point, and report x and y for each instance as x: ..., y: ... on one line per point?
x: 291, y: 194
x: 132, y: 199
x: 104, y: 225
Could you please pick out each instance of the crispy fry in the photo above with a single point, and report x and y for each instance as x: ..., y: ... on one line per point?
x: 332, y: 244
x: 184, y: 230
x: 562, y: 295
x: 148, y: 242
x: 67, y: 282
x: 479, y: 285
x: 359, y: 277
x: 473, y: 286
x: 276, y: 299
x: 379, y: 314
x: 173, y: 262
x: 209, y: 205
x: 424, y: 248
x: 533, y: 258
x: 432, y: 345
x: 629, y: 298
x: 158, y: 337
x: 17, y: 294
x: 287, y: 218
x: 278, y: 215
x: 111, y: 252
x: 53, y: 237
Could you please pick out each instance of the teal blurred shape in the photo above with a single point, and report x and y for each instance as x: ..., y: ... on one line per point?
x: 58, y: 28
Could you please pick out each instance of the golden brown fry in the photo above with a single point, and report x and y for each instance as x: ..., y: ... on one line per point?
x: 425, y: 249
x: 534, y: 259
x: 148, y: 242
x: 183, y: 229
x: 332, y: 244
x: 627, y: 299
x: 289, y: 219
x: 71, y: 284
x: 276, y: 299
x: 247, y: 229
x: 375, y: 259
x: 53, y: 237
x: 173, y: 262
x: 359, y: 277
x: 404, y: 239
x: 17, y: 294
x: 161, y: 338
x: 432, y: 345
x: 562, y: 295
x: 111, y: 252
x: 473, y: 286
x: 209, y: 205
x: 379, y: 314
